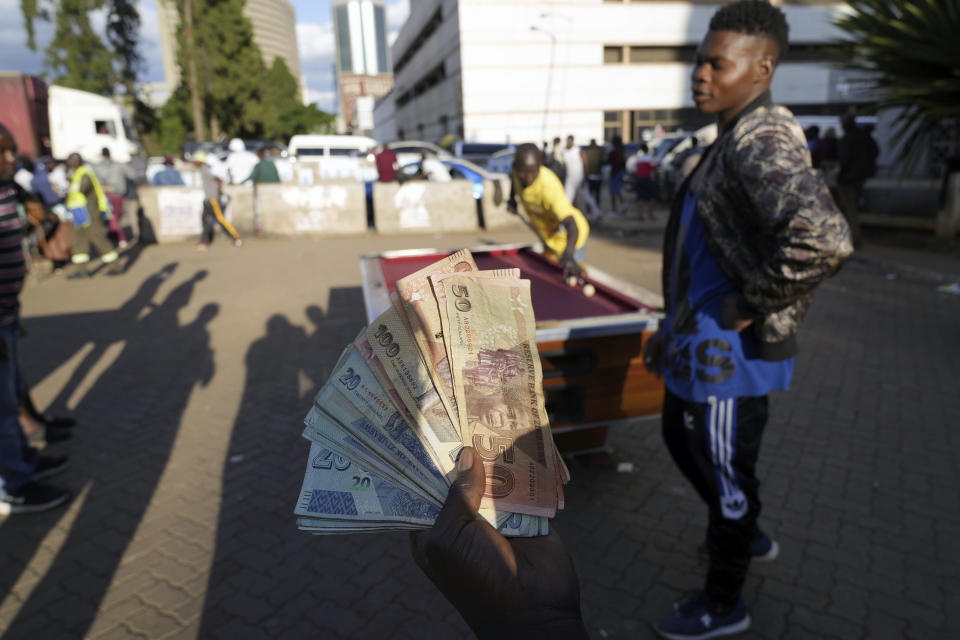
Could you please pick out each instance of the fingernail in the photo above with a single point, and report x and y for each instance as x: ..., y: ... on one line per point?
x: 466, y: 459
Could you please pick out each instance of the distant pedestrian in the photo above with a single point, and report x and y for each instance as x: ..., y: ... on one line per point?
x: 643, y: 183
x: 113, y: 177
x: 812, y: 134
x: 594, y: 169
x: 555, y: 160
x: 617, y: 159
x: 168, y: 176
x: 214, y: 202
x: 857, y: 154
x: 41, y: 185
x: 88, y: 206
x: 387, y: 165
x: 240, y: 162
x: 264, y: 172
x: 24, y: 174
x: 573, y: 161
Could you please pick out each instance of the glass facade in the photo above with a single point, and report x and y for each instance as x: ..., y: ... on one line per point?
x: 342, y: 25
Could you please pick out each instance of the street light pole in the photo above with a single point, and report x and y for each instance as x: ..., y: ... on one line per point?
x: 546, y: 106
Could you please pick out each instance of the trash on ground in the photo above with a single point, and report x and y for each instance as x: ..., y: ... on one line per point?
x: 953, y: 287
x: 625, y: 467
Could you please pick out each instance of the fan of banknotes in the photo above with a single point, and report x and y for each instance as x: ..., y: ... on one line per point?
x: 453, y: 361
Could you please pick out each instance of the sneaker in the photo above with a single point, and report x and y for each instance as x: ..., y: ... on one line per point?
x: 238, y: 242
x: 762, y: 549
x: 690, y: 620
x: 122, y: 244
x: 31, y: 498
x: 79, y: 274
x: 202, y: 246
x: 48, y: 466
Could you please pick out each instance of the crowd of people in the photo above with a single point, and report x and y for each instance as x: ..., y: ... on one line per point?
x: 80, y: 206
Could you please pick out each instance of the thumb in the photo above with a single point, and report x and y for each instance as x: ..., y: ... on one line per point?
x: 463, y: 501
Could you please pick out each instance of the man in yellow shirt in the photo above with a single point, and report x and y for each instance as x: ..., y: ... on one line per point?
x: 560, y: 225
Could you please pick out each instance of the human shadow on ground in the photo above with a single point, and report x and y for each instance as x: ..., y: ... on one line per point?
x: 268, y: 579
x: 129, y: 423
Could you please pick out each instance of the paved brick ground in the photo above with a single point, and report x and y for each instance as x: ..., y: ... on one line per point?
x: 191, y: 373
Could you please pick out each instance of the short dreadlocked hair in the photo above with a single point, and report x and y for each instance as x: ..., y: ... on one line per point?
x: 754, y: 17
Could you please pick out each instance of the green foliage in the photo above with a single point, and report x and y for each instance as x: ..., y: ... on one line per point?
x: 240, y: 94
x: 174, y: 121
x: 123, y: 32
x: 77, y: 56
x: 910, y: 51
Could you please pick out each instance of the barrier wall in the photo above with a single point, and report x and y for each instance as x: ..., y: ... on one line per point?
x: 495, y: 214
x: 334, y: 207
x: 418, y: 206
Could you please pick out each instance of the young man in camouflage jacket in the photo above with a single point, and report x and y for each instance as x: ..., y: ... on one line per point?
x: 753, y: 231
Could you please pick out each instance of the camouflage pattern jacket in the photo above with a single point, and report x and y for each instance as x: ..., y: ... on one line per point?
x: 769, y: 220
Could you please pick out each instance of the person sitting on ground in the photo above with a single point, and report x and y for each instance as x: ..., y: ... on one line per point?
x: 560, y: 225
x: 168, y: 176
x: 21, y: 466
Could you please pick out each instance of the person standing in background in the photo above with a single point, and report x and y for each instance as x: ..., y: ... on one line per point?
x: 264, y: 172
x: 213, y: 202
x: 617, y: 159
x: 594, y: 169
x: 643, y: 183
x: 386, y: 161
x: 88, y: 206
x: 168, y: 176
x: 113, y: 177
x: 857, y: 154
x: 573, y: 161
x: 20, y: 464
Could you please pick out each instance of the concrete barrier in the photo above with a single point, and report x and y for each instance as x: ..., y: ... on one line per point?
x: 333, y: 207
x: 495, y: 215
x: 327, y: 208
x: 418, y: 206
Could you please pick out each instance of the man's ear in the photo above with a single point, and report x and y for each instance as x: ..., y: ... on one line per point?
x: 764, y: 69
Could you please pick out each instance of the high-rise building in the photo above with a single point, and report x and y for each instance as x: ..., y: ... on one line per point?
x: 362, y: 58
x: 274, y: 31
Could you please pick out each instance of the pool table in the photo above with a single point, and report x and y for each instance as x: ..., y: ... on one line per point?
x: 590, y: 347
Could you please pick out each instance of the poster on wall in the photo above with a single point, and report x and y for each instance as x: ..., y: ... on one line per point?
x: 180, y: 211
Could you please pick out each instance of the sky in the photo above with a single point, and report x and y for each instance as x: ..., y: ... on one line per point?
x: 314, y: 37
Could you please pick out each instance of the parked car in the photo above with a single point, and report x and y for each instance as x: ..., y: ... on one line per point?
x: 409, y: 150
x: 459, y: 170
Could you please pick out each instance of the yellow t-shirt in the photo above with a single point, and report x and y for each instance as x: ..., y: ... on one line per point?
x: 546, y: 205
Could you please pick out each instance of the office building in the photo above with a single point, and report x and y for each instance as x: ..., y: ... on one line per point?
x: 362, y: 59
x: 492, y: 70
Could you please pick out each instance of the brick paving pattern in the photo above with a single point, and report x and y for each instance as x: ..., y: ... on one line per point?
x: 191, y: 373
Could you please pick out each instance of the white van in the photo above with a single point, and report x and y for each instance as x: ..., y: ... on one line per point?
x: 86, y: 123
x: 305, y: 147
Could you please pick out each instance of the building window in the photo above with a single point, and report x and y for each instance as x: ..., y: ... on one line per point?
x: 612, y: 55
x: 379, y: 20
x: 611, y: 125
x: 343, y: 38
x: 432, y: 24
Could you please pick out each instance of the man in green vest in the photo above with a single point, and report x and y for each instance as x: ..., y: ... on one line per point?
x: 87, y: 203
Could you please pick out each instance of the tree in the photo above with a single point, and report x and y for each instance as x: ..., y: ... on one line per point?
x: 77, y: 56
x: 910, y: 54
x: 123, y: 32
